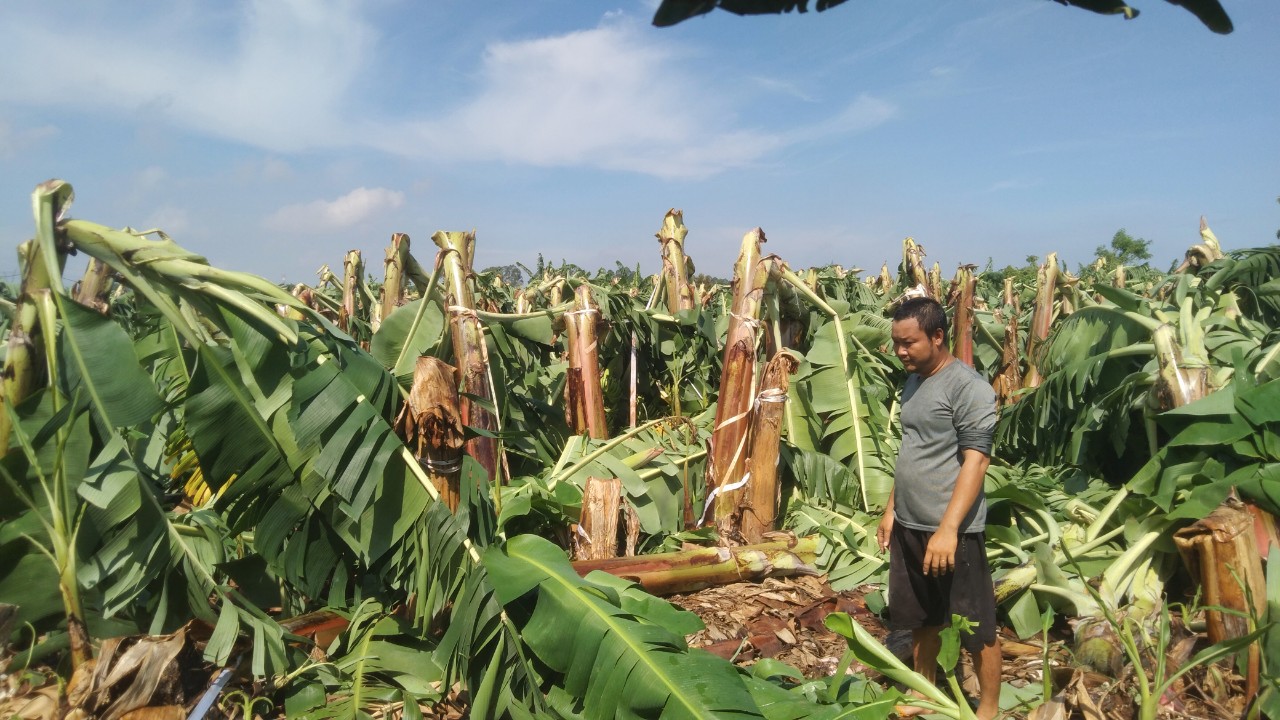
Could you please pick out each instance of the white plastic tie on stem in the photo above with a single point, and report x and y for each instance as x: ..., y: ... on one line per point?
x: 729, y: 421
x: 711, y: 496
x: 464, y: 311
x: 750, y: 322
x: 773, y: 395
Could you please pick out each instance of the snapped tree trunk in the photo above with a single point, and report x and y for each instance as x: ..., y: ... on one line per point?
x: 884, y: 283
x: 431, y: 425
x: 632, y: 395
x: 584, y: 401
x: 759, y: 510
x: 92, y: 290
x: 596, y: 536
x: 1070, y: 299
x: 935, y: 282
x: 394, y: 277
x: 1041, y: 318
x: 787, y: 320
x: 1008, y: 377
x: 1202, y: 253
x: 1182, y: 378
x: 963, y: 287
x: 352, y: 270
x: 1221, y: 553
x: 24, y: 361
x: 728, y: 453
x: 913, y: 266
x: 471, y: 354
x: 675, y: 267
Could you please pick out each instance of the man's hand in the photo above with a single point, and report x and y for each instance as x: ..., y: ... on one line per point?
x: 885, y: 530
x: 940, y: 555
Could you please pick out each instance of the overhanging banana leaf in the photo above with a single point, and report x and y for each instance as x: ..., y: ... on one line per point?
x: 619, y: 664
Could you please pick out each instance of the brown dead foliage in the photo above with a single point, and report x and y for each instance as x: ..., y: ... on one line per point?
x: 778, y: 618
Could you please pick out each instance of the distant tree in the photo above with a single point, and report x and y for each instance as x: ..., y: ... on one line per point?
x: 544, y: 270
x: 704, y: 279
x: 1024, y: 276
x: 1125, y: 250
x: 510, y: 274
x: 670, y: 12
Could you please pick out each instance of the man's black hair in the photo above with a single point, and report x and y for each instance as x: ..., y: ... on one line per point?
x: 927, y: 312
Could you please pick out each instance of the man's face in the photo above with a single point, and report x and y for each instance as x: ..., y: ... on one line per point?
x: 917, y: 352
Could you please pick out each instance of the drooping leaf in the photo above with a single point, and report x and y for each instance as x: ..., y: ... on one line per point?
x: 96, y: 357
x: 615, y: 663
x: 411, y: 330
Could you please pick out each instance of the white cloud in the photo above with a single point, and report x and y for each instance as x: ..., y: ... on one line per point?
x: 293, y: 75
x: 864, y: 113
x: 611, y: 97
x: 150, y: 177
x: 173, y: 220
x: 280, y: 83
x: 325, y: 215
x: 275, y: 169
x: 13, y: 140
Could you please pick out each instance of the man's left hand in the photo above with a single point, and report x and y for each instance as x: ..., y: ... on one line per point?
x: 940, y: 555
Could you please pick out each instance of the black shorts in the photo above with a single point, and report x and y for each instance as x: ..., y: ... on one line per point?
x: 917, y: 600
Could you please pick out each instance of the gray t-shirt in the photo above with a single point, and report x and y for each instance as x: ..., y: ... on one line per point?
x: 942, y: 415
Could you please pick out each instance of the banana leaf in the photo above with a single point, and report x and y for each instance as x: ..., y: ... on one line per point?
x: 616, y: 662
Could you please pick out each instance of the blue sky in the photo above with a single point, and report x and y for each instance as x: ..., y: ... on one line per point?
x: 273, y: 136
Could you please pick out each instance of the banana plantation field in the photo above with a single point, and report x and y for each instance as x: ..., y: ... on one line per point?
x: 415, y: 489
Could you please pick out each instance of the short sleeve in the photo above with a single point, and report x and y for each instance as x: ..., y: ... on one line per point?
x: 975, y: 415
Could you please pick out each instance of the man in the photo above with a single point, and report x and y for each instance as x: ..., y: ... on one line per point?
x: 934, y: 525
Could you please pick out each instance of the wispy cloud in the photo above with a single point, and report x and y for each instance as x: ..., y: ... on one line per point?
x: 782, y: 87
x: 289, y: 77
x: 611, y: 97
x: 14, y: 139
x: 326, y: 215
x: 278, y: 83
x: 172, y: 220
x: 863, y: 113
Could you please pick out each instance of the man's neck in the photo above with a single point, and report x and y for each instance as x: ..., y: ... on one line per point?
x: 946, y: 360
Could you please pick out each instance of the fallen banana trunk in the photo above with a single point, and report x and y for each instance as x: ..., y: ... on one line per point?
x: 663, y: 574
x: 690, y: 570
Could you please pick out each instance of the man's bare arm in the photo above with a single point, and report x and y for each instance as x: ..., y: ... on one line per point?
x: 885, y: 529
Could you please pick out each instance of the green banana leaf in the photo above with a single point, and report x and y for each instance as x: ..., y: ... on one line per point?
x: 618, y: 663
